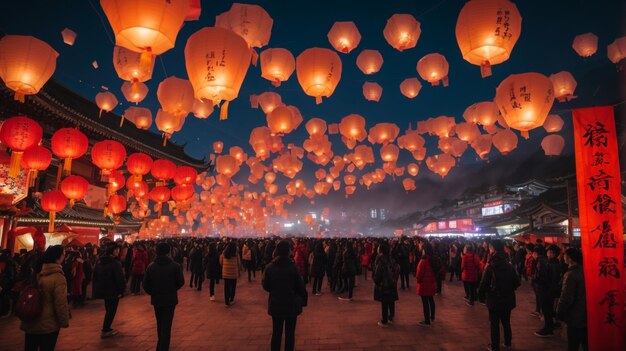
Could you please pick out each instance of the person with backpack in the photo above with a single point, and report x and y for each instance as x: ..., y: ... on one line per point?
x: 497, y: 289
x: 572, y: 306
x: 43, y: 308
x: 426, y: 288
x: 470, y: 269
x: 385, y: 276
x: 109, y: 284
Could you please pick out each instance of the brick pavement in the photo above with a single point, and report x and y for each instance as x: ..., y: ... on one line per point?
x: 326, y: 324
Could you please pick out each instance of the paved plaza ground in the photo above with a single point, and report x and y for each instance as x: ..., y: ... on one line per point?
x: 326, y: 324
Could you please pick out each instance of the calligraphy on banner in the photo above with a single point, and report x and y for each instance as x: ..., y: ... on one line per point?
x: 600, y: 211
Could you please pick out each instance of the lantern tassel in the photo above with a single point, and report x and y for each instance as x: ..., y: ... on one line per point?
x: 32, y: 175
x: 525, y: 134
x: 100, y: 114
x: 122, y: 121
x: 255, y: 57
x: 72, y: 201
x: 105, y: 212
x: 16, y: 163
x: 276, y: 82
x: 67, y: 166
x: 318, y: 100
x: 445, y: 81
x: 134, y: 87
x: 485, y: 69
x: 51, y: 217
x: 164, y: 140
x: 19, y: 97
x: 145, y: 60
x: 224, y: 111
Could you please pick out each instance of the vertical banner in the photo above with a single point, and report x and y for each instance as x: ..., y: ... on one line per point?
x: 600, y: 211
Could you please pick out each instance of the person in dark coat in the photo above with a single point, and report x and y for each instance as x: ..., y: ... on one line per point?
x: 318, y: 267
x: 163, y: 279
x: 497, y: 288
x: 401, y: 256
x: 330, y: 269
x: 426, y: 277
x: 348, y: 270
x: 213, y: 269
x: 287, y: 296
x: 547, y: 278
x: 386, y: 273
x: 109, y: 284
x: 572, y: 306
x: 197, y: 265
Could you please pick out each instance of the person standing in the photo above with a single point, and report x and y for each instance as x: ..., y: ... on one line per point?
x: 287, y: 296
x: 196, y: 257
x: 42, y: 333
x: 497, y: 288
x: 162, y: 280
x: 229, y: 260
x: 470, y: 266
x: 318, y: 267
x: 213, y: 269
x: 109, y: 284
x: 572, y: 306
x: 385, y: 276
x: 544, y: 282
x: 427, y: 283
x: 348, y: 270
x: 138, y: 268
x: 246, y: 258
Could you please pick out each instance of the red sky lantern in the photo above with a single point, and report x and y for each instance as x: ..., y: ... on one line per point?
x: 182, y: 192
x: 19, y: 133
x: 185, y: 175
x: 108, y: 155
x: 117, y: 204
x: 69, y: 144
x: 139, y: 164
x: 52, y: 202
x: 74, y: 188
x: 163, y: 170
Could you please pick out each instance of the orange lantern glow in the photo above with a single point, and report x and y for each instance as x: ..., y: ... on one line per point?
x: 319, y: 72
x: 484, y: 113
x: 128, y: 65
x: 486, y: 31
x: 19, y: 133
x: 26, y: 64
x: 185, y: 175
x: 182, y: 193
x: 344, y: 36
x: 505, y: 141
x: 586, y: 44
x: 282, y: 120
x: 134, y: 92
x: 402, y: 31
x: 226, y: 165
x: 202, y: 108
x: 159, y: 194
x: 553, y: 124
x: 413, y: 169
x: 277, y: 65
x: 141, y: 117
x: 36, y: 158
x: 163, y: 170
x: 270, y: 177
x: 268, y: 101
x: 106, y: 101
x: 116, y: 204
x: 251, y: 22
x: 408, y: 184
x: 352, y: 127
x: 467, y: 131
x: 218, y: 146
x: 482, y: 145
x: 440, y: 164
x: 116, y: 181
x: 372, y: 91
x: 441, y: 126
x: 139, y: 164
x: 217, y: 79
x: 168, y: 123
x: 69, y: 144
x: 525, y: 100
x: 389, y: 153
x: 52, y: 202
x: 69, y: 36
x: 433, y: 68
x: 383, y: 133
x: 74, y: 188
x: 553, y: 144
x: 411, y: 141
x: 108, y: 155
x: 410, y: 87
x: 369, y: 61
x: 176, y: 96
x: 564, y: 85
x: 616, y: 51
x: 316, y: 127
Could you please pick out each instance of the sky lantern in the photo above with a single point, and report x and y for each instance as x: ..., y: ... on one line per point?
x: 585, y: 44
x: 185, y: 175
x: 69, y: 36
x: 260, y: 140
x: 277, y: 65
x: 413, y: 169
x: 482, y: 145
x: 505, y: 141
x: 410, y: 87
x: 53, y: 201
x: 139, y: 164
x: 383, y: 133
x: 467, y: 131
x: 176, y: 96
x: 441, y: 126
x: 19, y: 133
x: 525, y: 100
x: 282, y: 120
x: 564, y: 85
x: 372, y: 91
x: 268, y: 101
x: 349, y: 179
x: 352, y: 128
x: 26, y: 64
x: 36, y: 158
x: 116, y: 204
x: 319, y: 72
x: 202, y: 108
x: 408, y: 184
x: 218, y: 146
x: 108, y: 155
x: 433, y: 68
x: 74, y: 188
x: 369, y: 61
x: 486, y: 31
x: 553, y: 124
x: 159, y: 195
x: 146, y: 26
x: 251, y: 22
x: 106, y: 101
x: 217, y: 79
x: 168, y: 123
x: 553, y: 144
x: 226, y: 165
x: 141, y: 117
x: 134, y: 92
x: 389, y: 153
x: 616, y: 51
x: 402, y: 31
x: 411, y: 141
x: 350, y: 189
x: 440, y: 164
x: 163, y: 170
x: 484, y: 113
x: 128, y: 65
x: 315, y: 127
x: 344, y: 36
x: 69, y: 144
x: 270, y: 177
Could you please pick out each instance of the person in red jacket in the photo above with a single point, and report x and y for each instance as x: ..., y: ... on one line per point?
x: 139, y: 265
x: 470, y: 268
x: 427, y: 283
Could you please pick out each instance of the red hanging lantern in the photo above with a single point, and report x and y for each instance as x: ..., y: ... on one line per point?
x: 138, y: 187
x: 163, y: 170
x: 116, y: 204
x: 108, y: 155
x: 182, y: 192
x: 185, y: 175
x: 19, y: 133
x: 116, y: 181
x: 74, y: 188
x: 35, y: 159
x: 69, y: 144
x: 52, y: 202
x: 139, y: 164
x: 159, y: 194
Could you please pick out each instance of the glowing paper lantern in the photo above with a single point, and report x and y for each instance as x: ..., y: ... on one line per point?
x: 218, y: 78
x: 163, y: 170
x: 389, y: 153
x: 134, y: 92
x: 19, y: 133
x: 316, y: 127
x: 36, y: 158
x: 413, y: 169
x: 410, y: 87
x: 344, y: 36
x: 128, y: 65
x: 564, y: 85
x: 408, y: 184
x: 553, y: 124
x: 486, y: 31
x: 52, y: 202
x: 402, y: 31
x: 467, y: 131
x: 440, y: 164
x: 270, y: 177
x: 226, y: 165
x: 319, y: 72
x: 26, y: 64
x: 352, y: 128
x: 106, y: 101
x: 268, y: 101
x: 411, y: 141
x: 553, y: 144
x: 185, y: 175
x: 139, y: 164
x: 218, y: 146
x: 69, y: 36
x: 383, y: 133
x: 586, y: 44
x: 116, y: 181
x: 282, y: 120
x: 505, y: 141
x: 616, y: 51
x: 182, y: 192
x: 74, y: 188
x: 441, y: 126
x: 116, y: 204
x: 482, y: 145
x: 251, y: 22
x: 108, y: 155
x: 525, y: 100
x: 372, y: 91
x: 369, y: 61
x: 484, y: 113
x: 176, y: 96
x: 277, y: 65
x: 168, y: 123
x: 202, y: 108
x: 141, y: 117
x: 433, y: 68
x: 69, y: 144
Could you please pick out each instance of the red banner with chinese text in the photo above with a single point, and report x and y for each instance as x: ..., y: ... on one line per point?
x: 600, y: 212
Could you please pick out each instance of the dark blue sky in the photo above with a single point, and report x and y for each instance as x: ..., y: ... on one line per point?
x: 548, y: 28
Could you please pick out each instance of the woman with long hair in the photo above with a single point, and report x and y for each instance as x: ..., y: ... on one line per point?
x: 427, y: 283
x: 230, y: 272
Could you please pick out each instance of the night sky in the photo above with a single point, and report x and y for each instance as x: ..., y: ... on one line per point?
x: 548, y: 28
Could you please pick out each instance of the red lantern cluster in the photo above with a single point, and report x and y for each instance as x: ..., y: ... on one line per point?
x: 163, y: 170
x: 52, y: 202
x: 19, y: 133
x: 74, y: 188
x: 139, y: 164
x: 69, y: 144
x: 108, y: 155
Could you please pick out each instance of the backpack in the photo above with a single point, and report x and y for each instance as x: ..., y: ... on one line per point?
x: 28, y: 306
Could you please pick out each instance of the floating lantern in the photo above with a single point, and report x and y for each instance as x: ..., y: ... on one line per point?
x: 226, y: 165
x: 482, y: 145
x: 372, y: 91
x: 553, y: 144
x: 564, y: 85
x: 553, y: 124
x: 141, y: 117
x: 69, y: 36
x: 19, y: 133
x: 616, y: 51
x: 410, y: 87
x: 168, y: 123
x: 282, y: 120
x: 389, y: 153
x: 408, y: 184
x: 319, y: 72
x: 128, y: 65
x: 369, y: 61
x: 467, y: 131
x: 505, y: 141
x: 69, y: 144
x: 344, y: 36
x: 352, y: 127
x: 218, y: 146
x: 134, y: 92
x: 433, y: 68
x: 402, y: 31
x: 251, y: 22
x: 268, y: 101
x: 586, y: 44
x: 484, y: 113
x: 202, y: 108
x: 440, y: 164
x: 413, y: 169
x: 176, y: 96
x: 277, y: 65
x: 383, y: 133
x: 106, y: 101
x: 316, y: 127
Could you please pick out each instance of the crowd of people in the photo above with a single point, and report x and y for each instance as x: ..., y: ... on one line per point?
x: 491, y: 271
